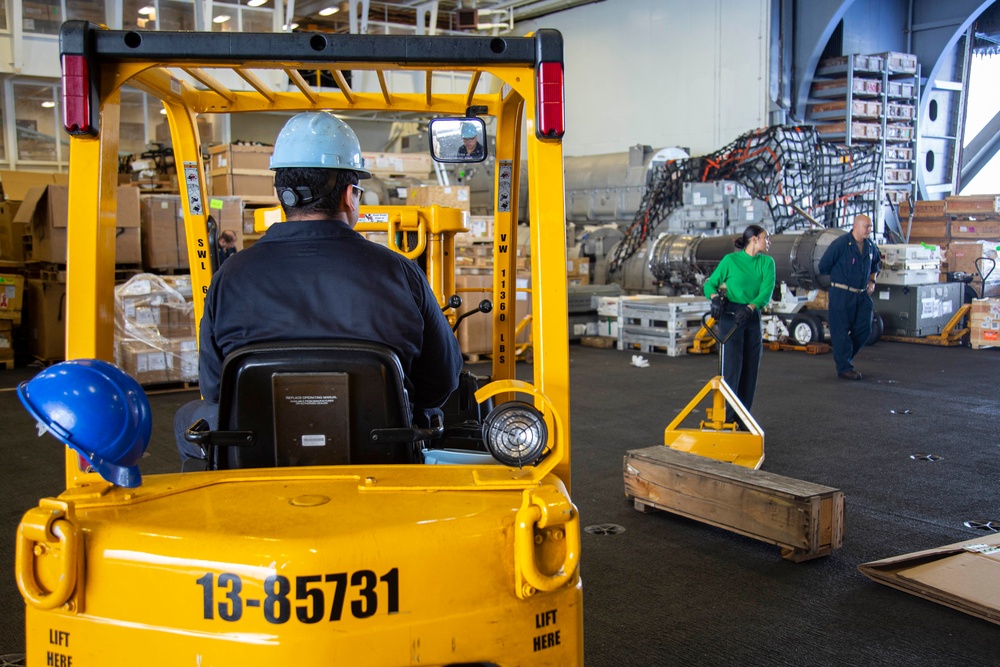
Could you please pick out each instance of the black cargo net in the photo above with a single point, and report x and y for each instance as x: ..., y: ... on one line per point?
x: 786, y: 166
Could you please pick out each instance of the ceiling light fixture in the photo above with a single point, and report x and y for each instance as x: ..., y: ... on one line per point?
x: 147, y: 10
x: 329, y: 11
x: 221, y: 18
x: 48, y: 105
x: 256, y: 3
x: 290, y: 27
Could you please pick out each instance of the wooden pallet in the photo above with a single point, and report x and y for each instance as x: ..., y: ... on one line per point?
x: 806, y: 520
x: 672, y: 346
x: 604, y: 342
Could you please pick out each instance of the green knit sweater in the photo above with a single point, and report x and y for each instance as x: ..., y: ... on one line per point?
x: 747, y: 279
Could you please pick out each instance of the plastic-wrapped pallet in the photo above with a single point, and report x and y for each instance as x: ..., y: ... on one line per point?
x: 154, y: 329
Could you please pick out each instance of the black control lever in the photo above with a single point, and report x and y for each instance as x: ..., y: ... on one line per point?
x: 454, y: 301
x: 484, y: 306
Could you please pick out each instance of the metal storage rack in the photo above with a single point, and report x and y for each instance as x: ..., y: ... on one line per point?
x: 873, y: 99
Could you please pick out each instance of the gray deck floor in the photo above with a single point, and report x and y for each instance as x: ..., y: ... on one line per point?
x: 673, y: 591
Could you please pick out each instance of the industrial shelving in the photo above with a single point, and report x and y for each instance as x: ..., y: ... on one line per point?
x: 872, y: 99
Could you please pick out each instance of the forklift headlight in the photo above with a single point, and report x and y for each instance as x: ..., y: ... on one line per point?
x: 515, y: 434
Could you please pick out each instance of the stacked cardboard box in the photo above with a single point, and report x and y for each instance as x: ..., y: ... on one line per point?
x: 241, y: 170
x: 578, y: 271
x: 985, y: 323
x: 44, y: 215
x: 11, y: 303
x: 417, y: 165
x: 474, y: 281
x: 164, y: 246
x: 452, y: 196
x: 154, y: 329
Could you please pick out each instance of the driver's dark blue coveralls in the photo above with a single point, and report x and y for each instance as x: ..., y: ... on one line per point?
x: 314, y: 279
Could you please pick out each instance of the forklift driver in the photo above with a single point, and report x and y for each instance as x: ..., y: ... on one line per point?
x: 314, y: 277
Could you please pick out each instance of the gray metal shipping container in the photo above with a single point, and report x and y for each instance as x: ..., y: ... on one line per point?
x: 917, y: 310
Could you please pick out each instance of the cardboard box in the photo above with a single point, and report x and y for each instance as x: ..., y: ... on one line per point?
x: 452, y: 196
x: 148, y: 364
x: 237, y: 169
x: 182, y: 360
x: 962, y: 576
x: 578, y: 266
x: 154, y: 310
x: 15, y: 184
x: 12, y: 233
x: 45, y: 211
x: 11, y: 297
x: 7, y: 343
x: 404, y: 164
x: 475, y: 333
x: 45, y: 317
x: 984, y: 323
x: 162, y: 233
x: 228, y: 215
x: 128, y: 246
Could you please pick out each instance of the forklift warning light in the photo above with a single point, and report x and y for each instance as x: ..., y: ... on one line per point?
x: 76, y: 95
x: 551, y: 115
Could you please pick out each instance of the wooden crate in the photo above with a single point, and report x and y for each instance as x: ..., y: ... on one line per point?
x: 980, y: 206
x: 806, y: 520
x: 924, y: 209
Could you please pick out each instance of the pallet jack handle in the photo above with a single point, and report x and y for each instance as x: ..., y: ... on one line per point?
x: 721, y: 341
x: 979, y: 269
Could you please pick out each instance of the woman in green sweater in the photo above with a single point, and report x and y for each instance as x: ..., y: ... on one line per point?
x: 747, y: 279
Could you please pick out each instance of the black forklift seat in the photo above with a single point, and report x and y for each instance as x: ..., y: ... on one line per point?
x: 311, y: 402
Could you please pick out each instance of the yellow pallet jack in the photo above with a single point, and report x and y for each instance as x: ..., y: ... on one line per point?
x: 716, y: 438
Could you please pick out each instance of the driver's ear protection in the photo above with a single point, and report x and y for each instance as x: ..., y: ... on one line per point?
x: 296, y: 196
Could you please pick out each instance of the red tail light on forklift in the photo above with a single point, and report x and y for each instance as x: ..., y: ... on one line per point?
x: 551, y: 100
x: 76, y: 95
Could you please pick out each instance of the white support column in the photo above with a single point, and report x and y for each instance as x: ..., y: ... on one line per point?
x: 358, y: 26
x: 423, y: 10
x: 10, y: 126
x: 203, y: 15
x: 16, y: 37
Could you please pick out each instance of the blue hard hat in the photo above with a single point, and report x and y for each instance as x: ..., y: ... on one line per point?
x: 469, y: 131
x: 97, y: 409
x: 318, y: 139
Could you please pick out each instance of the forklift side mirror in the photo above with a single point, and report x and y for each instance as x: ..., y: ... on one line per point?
x: 459, y: 140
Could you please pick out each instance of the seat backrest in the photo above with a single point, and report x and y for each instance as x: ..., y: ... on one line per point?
x: 312, y: 402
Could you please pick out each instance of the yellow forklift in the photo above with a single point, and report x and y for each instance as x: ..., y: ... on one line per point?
x: 466, y: 556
